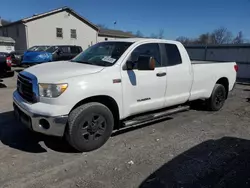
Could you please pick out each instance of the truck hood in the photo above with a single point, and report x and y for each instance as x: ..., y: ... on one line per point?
x: 60, y: 70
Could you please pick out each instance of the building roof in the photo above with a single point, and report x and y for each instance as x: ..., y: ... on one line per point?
x: 42, y: 15
x: 114, y: 33
x: 6, y: 40
x: 4, y: 22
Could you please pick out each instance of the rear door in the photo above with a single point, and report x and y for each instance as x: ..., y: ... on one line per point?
x: 179, y: 75
x: 144, y: 90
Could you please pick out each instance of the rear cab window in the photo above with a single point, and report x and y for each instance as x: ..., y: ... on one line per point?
x: 173, y: 55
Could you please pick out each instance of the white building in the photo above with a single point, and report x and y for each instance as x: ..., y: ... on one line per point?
x: 59, y: 26
x: 6, y: 44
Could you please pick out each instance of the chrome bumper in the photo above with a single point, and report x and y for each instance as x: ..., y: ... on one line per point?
x: 54, y: 126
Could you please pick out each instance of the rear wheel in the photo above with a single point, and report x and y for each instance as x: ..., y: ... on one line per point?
x: 89, y: 126
x: 217, y: 99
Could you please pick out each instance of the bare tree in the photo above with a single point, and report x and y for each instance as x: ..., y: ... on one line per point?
x: 203, y: 39
x: 161, y: 34
x: 138, y: 33
x: 154, y: 36
x: 239, y: 39
x: 221, y: 36
x: 184, y: 40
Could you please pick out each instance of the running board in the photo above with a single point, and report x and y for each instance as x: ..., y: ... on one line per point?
x: 154, y: 116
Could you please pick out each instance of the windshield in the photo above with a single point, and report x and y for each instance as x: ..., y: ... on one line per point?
x: 38, y: 48
x: 52, y: 49
x: 102, y: 54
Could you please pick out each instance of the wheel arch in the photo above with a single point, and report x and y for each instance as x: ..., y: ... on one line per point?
x: 105, y: 100
x: 224, y: 81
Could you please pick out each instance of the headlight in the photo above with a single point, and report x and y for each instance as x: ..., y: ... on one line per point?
x: 52, y: 90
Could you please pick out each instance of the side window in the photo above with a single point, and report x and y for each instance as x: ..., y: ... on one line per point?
x: 59, y: 32
x: 74, y: 50
x: 150, y: 50
x: 64, y: 49
x: 173, y: 54
x: 73, y: 33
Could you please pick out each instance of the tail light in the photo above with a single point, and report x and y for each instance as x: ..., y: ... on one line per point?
x: 8, y: 61
x: 236, y: 68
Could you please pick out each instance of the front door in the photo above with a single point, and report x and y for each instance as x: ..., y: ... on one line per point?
x: 144, y: 90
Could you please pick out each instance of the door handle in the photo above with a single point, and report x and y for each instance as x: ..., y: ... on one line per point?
x: 159, y: 74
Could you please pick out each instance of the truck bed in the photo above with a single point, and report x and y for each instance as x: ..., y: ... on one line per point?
x: 206, y: 73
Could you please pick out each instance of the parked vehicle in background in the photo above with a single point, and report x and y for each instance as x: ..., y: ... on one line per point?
x: 115, y: 84
x: 52, y: 53
x: 16, y: 57
x: 38, y: 48
x: 5, y: 66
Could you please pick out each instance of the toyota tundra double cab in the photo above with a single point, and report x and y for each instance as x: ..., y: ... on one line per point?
x: 115, y: 84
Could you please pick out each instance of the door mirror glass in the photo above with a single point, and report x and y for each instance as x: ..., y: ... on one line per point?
x: 146, y: 63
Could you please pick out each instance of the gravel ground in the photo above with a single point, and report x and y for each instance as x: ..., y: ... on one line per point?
x: 192, y: 149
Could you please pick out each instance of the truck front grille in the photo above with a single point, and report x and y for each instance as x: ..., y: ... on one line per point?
x: 25, y: 88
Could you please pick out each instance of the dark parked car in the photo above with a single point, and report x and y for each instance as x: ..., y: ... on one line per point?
x: 5, y: 66
x: 53, y: 53
x: 16, y: 57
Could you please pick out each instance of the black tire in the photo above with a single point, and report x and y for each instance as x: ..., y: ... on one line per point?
x: 217, y: 99
x: 89, y: 126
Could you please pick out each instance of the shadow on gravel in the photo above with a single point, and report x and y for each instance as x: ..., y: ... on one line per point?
x: 214, y: 163
x: 15, y: 135
x: 3, y: 85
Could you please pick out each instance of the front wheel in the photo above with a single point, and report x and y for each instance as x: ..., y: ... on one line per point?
x: 89, y: 126
x: 217, y: 99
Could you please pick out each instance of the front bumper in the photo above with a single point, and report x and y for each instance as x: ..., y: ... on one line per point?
x: 49, y: 125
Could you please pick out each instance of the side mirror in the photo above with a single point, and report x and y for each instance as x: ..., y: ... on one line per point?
x: 146, y: 63
x: 129, y: 65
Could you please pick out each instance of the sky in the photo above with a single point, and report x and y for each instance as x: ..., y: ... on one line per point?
x: 176, y: 17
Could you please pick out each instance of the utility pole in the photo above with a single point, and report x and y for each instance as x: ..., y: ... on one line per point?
x: 115, y: 22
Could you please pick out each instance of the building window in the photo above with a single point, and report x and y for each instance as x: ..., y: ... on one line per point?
x: 59, y: 32
x: 73, y: 33
x: 17, y: 31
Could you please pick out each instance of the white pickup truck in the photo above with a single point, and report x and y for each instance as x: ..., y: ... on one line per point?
x: 114, y: 84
